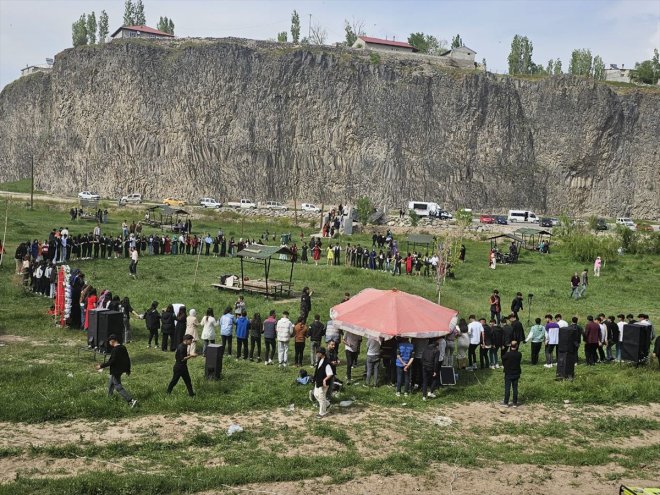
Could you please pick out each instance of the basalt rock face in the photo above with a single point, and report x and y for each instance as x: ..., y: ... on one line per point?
x: 237, y: 118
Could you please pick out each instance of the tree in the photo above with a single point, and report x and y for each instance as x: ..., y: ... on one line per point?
x: 281, y: 37
x: 648, y: 71
x: 457, y: 42
x: 318, y: 35
x: 550, y: 69
x: 79, y: 31
x: 91, y: 29
x: 138, y: 14
x: 581, y: 63
x: 103, y: 27
x: 483, y: 62
x: 599, y: 68
x: 353, y: 31
x: 426, y: 43
x: 520, y: 56
x: 364, y: 210
x: 129, y: 13
x: 165, y: 25
x: 170, y: 27
x: 295, y: 27
x: 557, y: 67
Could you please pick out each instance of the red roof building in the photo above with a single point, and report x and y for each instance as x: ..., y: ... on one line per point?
x: 380, y: 44
x: 139, y: 32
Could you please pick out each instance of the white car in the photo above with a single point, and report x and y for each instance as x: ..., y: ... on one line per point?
x: 135, y: 198
x: 310, y: 207
x: 626, y: 222
x: 88, y: 195
x: 274, y: 205
x: 209, y: 203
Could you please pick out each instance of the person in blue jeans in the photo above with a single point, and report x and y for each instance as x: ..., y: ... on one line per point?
x: 511, y: 361
x: 404, y: 360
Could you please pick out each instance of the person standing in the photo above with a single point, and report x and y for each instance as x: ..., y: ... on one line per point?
x: 132, y: 268
x: 584, y: 281
x: 475, y: 330
x: 373, y: 360
x: 597, y: 264
x: 404, y: 360
x: 227, y: 329
x: 256, y: 329
x: 517, y: 304
x: 305, y: 303
x: 270, y: 334
x: 191, y: 329
x: 284, y: 331
x: 127, y: 310
x: 551, y: 339
x: 517, y: 330
x: 430, y: 368
x: 323, y: 378
x: 209, y: 324
x: 242, y: 329
x: 496, y: 340
x: 537, y: 337
x: 119, y: 363
x: 575, y: 286
x: 462, y: 345
x: 180, y: 370
x: 568, y: 344
x: 316, y: 333
x: 351, y: 344
x: 591, y: 340
x: 180, y: 325
x: 300, y: 331
x: 495, y: 306
x: 167, y: 319
x: 152, y: 322
x: 619, y: 343
x: 512, y: 371
x: 486, y: 345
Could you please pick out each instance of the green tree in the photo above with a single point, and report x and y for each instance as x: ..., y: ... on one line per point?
x: 295, y: 27
x: 599, y: 68
x: 520, y: 56
x: 557, y: 67
x: 457, y: 42
x: 656, y: 63
x: 129, y: 13
x: 550, y: 69
x: 353, y: 31
x: 364, y: 208
x: 581, y: 63
x: 138, y: 14
x: 170, y: 27
x: 165, y: 25
x: 79, y: 31
x: 414, y: 217
x: 281, y: 37
x: 91, y: 29
x: 644, y: 73
x: 483, y: 62
x: 426, y: 43
x: 103, y: 27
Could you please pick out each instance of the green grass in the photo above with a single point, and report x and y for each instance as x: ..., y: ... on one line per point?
x: 18, y: 186
x: 44, y: 378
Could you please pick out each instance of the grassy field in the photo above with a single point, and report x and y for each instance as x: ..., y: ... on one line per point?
x: 46, y: 382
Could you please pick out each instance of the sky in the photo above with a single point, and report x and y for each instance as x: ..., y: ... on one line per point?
x: 620, y: 31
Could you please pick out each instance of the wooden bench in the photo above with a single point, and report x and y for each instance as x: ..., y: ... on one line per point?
x: 226, y: 287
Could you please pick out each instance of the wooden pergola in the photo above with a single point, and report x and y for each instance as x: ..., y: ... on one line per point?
x: 532, y: 237
x: 262, y: 255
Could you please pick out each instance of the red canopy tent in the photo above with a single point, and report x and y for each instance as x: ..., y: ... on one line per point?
x: 392, y: 313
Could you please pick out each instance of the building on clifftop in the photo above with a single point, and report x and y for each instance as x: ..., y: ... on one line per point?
x: 31, y: 69
x: 139, y: 32
x: 383, y: 45
x: 616, y: 74
x: 463, y: 55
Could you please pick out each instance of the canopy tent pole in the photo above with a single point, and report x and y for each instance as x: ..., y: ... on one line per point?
x: 197, y: 265
x: 242, y: 275
x: 4, y: 236
x: 266, y: 270
x: 290, y: 277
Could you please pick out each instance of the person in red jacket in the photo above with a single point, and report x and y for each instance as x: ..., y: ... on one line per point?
x: 591, y: 340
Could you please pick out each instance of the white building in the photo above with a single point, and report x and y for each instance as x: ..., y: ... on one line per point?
x: 617, y: 75
x: 31, y: 69
x: 463, y: 56
x: 383, y: 45
x: 139, y: 32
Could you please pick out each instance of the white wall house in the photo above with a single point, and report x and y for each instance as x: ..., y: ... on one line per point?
x: 616, y: 74
x: 31, y: 69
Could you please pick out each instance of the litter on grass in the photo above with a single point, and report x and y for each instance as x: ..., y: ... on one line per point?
x: 442, y: 421
x: 234, y: 428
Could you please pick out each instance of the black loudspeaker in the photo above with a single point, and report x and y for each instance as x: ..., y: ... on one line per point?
x: 447, y: 376
x: 635, y: 344
x: 213, y: 365
x: 102, y: 324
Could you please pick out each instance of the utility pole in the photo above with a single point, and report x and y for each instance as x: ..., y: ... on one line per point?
x: 31, y: 181
x: 309, y: 28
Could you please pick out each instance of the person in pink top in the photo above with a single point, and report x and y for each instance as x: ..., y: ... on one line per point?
x: 597, y: 264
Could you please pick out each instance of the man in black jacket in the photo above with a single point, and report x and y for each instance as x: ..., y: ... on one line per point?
x: 569, y: 342
x: 517, y: 304
x: 152, y: 321
x: 305, y: 303
x: 430, y: 367
x: 323, y: 375
x: 518, y: 333
x: 119, y: 363
x: 511, y: 361
x: 316, y: 333
x: 181, y: 365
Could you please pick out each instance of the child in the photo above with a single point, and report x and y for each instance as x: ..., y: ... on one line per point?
x: 239, y: 306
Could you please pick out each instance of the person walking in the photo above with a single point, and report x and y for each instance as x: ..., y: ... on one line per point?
x: 119, y: 363
x: 132, y: 268
x: 597, y: 264
x: 323, y: 376
x: 180, y: 369
x: 512, y: 371
x: 537, y: 337
x: 284, y: 331
x: 584, y: 282
x: 517, y: 304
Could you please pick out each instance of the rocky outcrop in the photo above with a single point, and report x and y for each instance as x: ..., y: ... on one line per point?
x: 236, y: 118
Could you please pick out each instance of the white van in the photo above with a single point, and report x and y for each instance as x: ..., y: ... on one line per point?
x: 310, y: 207
x: 626, y: 222
x: 522, y: 216
x: 423, y: 208
x: 209, y: 203
x: 135, y: 198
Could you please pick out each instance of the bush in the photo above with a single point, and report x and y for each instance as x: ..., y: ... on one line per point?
x: 629, y: 239
x: 375, y: 58
x: 463, y: 218
x: 414, y: 218
x: 364, y: 210
x: 585, y: 247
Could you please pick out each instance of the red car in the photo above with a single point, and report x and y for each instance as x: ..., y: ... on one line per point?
x: 487, y: 219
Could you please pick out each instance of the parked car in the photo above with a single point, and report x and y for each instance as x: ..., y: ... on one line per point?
x: 243, y: 203
x: 626, y: 222
x: 524, y: 216
x: 486, y: 219
x: 174, y: 202
x: 546, y: 222
x: 274, y: 205
x: 135, y: 198
x: 444, y: 215
x: 88, y: 195
x: 501, y: 220
x: 209, y: 203
x: 310, y: 207
x: 601, y: 224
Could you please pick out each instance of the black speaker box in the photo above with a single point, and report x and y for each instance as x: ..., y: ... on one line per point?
x: 635, y: 344
x: 447, y: 376
x: 213, y: 365
x: 102, y: 324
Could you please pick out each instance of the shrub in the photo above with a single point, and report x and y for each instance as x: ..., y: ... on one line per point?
x: 375, y: 58
x: 414, y: 218
x: 629, y: 239
x: 584, y: 247
x: 364, y: 210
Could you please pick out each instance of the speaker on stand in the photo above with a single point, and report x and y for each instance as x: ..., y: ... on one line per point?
x: 107, y: 323
x: 213, y: 365
x: 635, y: 343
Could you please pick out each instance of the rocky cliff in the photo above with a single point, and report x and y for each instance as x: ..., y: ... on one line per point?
x: 236, y: 118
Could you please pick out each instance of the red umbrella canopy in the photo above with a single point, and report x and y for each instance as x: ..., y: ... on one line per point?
x: 392, y: 313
